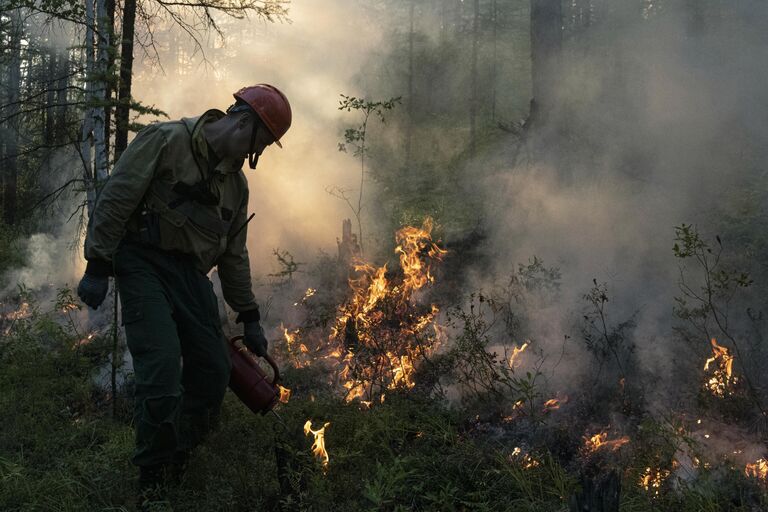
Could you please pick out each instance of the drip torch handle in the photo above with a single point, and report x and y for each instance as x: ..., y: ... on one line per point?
x: 267, y: 358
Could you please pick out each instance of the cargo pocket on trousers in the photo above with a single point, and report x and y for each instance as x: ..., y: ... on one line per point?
x: 133, y: 321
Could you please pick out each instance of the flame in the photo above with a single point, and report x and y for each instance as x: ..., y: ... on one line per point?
x: 721, y: 380
x: 600, y: 440
x: 309, y: 293
x: 83, y: 341
x: 285, y: 394
x: 524, y: 459
x: 759, y: 469
x: 24, y: 311
x: 318, y: 446
x: 381, y: 331
x: 552, y: 404
x: 295, y: 355
x: 402, y: 374
x: 652, y: 479
x: 516, y: 353
x: 412, y: 243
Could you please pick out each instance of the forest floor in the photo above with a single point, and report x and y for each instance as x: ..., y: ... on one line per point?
x: 61, y: 448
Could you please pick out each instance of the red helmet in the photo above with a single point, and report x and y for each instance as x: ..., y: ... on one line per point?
x: 271, y: 105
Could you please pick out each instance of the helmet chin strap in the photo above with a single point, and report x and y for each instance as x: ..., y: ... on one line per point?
x: 253, y: 158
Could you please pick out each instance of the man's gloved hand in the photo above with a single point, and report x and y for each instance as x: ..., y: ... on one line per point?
x: 254, y: 338
x: 93, y: 289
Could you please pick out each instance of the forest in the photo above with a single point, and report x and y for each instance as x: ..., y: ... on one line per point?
x: 511, y: 256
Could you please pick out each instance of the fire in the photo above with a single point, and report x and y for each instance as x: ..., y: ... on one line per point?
x: 412, y: 243
x: 516, y: 353
x: 759, y: 469
x: 721, y: 380
x: 600, y: 440
x: 554, y: 404
x: 291, y: 338
x: 402, y: 373
x: 652, y: 479
x: 309, y: 293
x: 318, y: 446
x: 524, y: 459
x: 24, y: 311
x: 83, y: 341
x: 285, y: 394
x: 382, y: 332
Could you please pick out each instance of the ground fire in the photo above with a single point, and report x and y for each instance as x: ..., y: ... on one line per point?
x: 318, y: 445
x: 383, y: 330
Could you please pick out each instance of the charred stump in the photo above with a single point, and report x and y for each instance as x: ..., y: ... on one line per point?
x: 349, y: 253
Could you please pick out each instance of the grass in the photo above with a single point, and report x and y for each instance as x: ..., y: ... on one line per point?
x: 61, y: 450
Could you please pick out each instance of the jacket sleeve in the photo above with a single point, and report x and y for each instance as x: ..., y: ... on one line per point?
x: 235, y: 268
x: 120, y: 196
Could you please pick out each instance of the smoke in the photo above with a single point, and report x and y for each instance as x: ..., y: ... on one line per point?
x: 665, y: 129
x: 312, y: 60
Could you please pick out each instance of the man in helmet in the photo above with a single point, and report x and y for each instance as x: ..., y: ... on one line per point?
x: 174, y: 207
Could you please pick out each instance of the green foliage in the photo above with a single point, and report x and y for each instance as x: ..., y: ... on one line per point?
x: 355, y: 136
x: 711, y: 291
x: 60, y: 450
x: 605, y: 341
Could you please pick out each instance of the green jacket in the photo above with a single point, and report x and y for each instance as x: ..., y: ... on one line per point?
x: 212, y: 233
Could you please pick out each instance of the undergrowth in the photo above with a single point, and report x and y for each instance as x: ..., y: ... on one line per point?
x: 61, y: 448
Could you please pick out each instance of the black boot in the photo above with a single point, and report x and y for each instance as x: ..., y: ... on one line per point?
x: 179, y: 466
x: 153, y: 488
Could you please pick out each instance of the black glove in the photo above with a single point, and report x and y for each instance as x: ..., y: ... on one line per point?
x: 93, y: 289
x: 255, y: 339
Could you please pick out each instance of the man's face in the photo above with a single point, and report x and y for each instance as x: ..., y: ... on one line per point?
x: 240, y: 137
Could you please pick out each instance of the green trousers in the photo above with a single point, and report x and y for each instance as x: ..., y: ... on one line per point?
x: 180, y: 359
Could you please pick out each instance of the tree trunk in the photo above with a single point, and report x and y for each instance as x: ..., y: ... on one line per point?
x: 473, y: 79
x: 494, y: 57
x: 126, y: 73
x: 109, y: 83
x: 409, y: 126
x: 62, y: 71
x: 50, y: 99
x: 10, y: 174
x: 546, y: 45
x: 100, y: 128
x: 87, y: 128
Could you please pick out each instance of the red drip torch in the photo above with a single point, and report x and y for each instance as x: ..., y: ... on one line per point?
x: 249, y: 382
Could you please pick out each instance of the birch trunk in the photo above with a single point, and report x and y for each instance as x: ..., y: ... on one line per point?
x: 86, y: 141
x: 10, y: 174
x: 99, y: 89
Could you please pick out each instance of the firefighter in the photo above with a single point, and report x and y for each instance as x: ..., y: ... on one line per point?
x: 174, y: 207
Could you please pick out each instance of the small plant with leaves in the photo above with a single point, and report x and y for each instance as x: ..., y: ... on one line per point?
x: 710, y: 292
x: 356, y: 138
